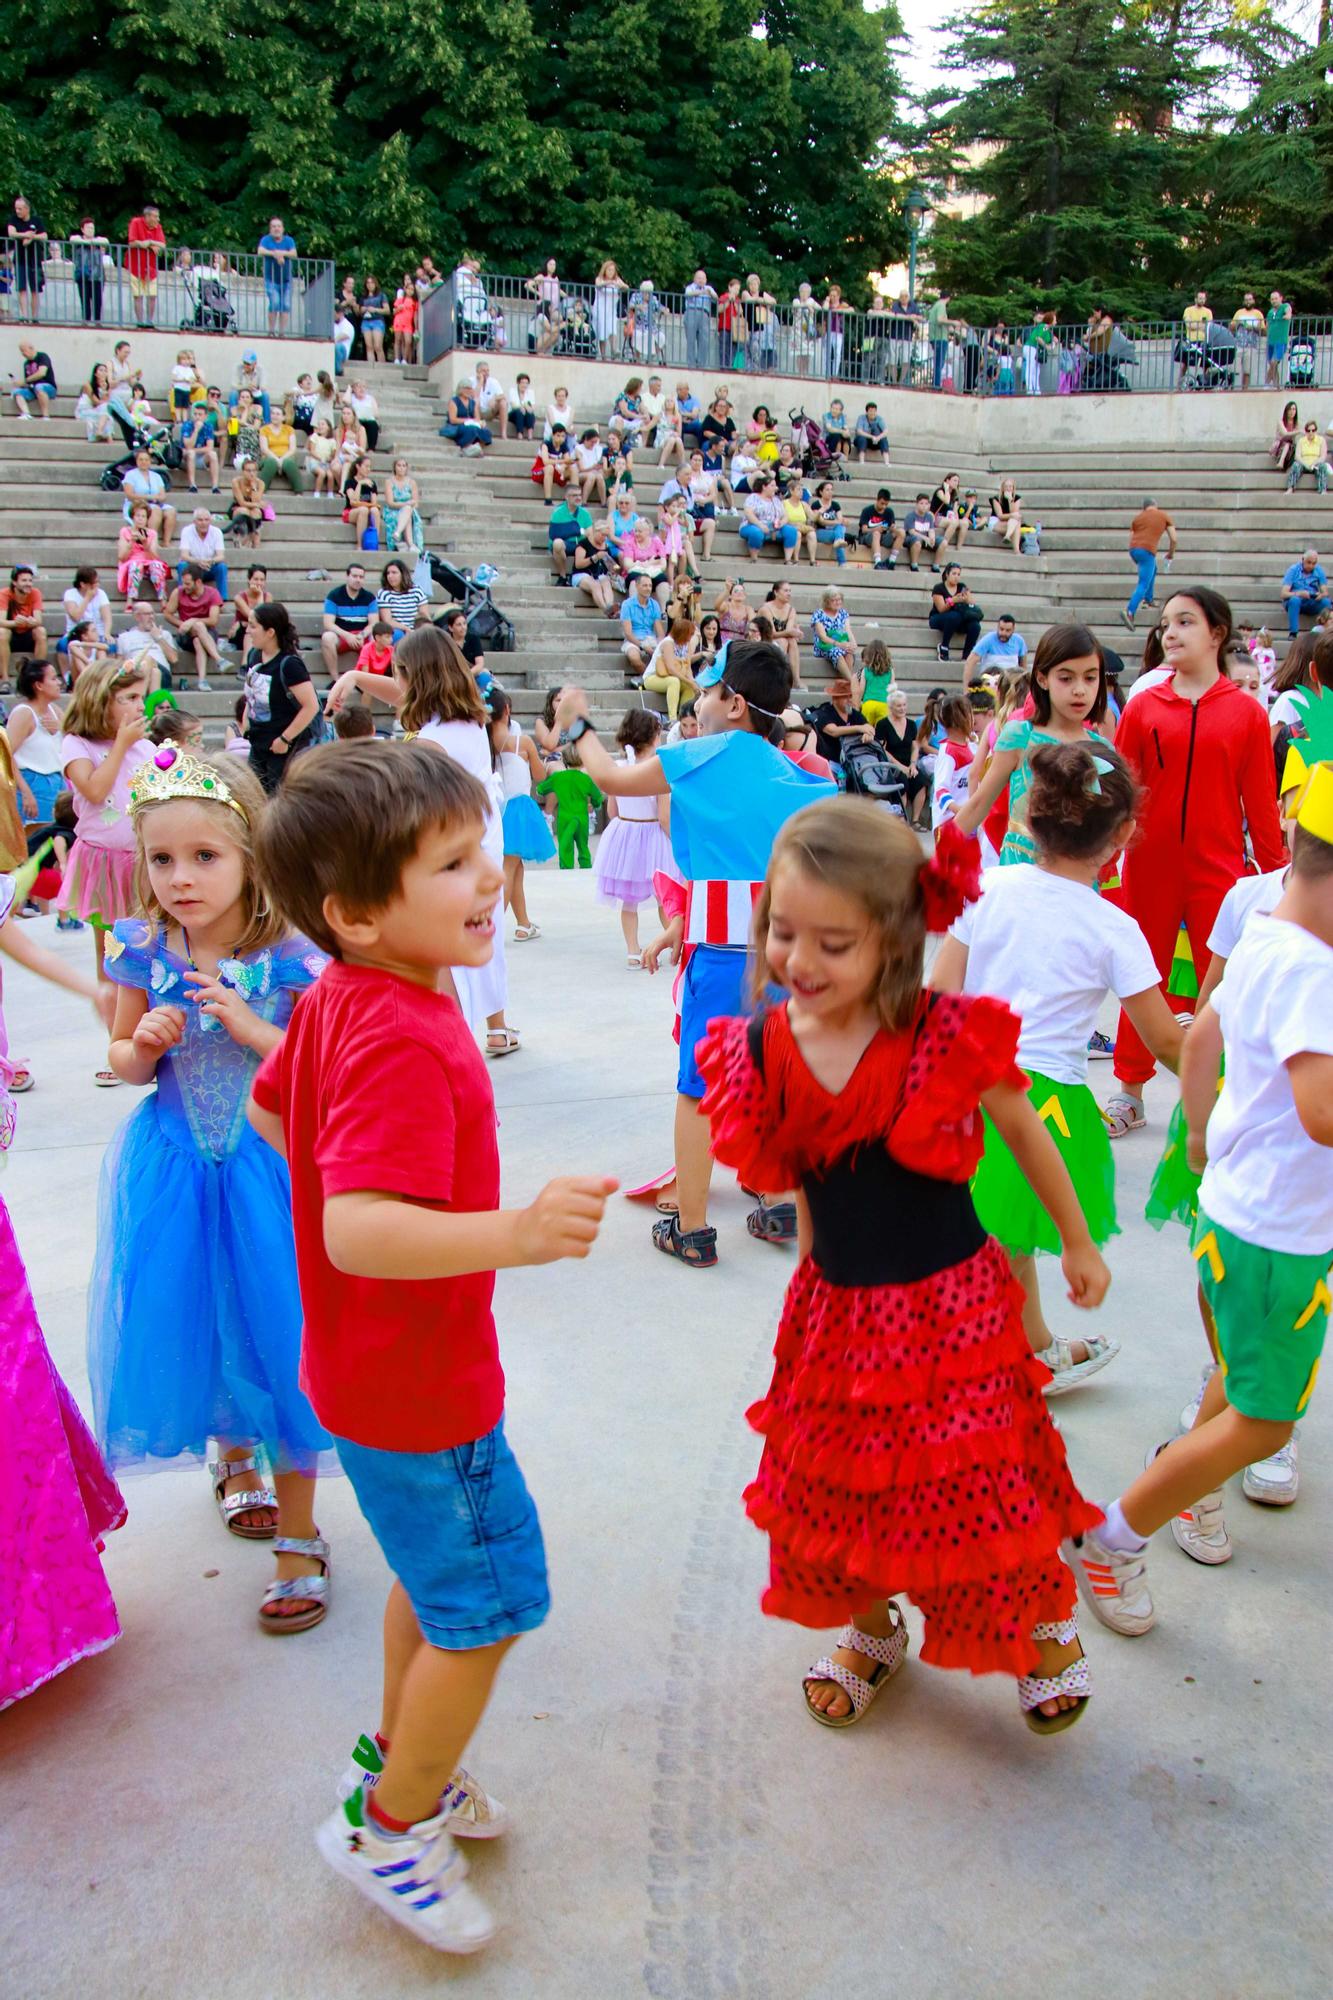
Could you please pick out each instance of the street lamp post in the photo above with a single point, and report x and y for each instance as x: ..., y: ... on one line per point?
x: 916, y: 205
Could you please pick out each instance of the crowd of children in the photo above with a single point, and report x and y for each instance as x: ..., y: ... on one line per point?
x: 304, y: 977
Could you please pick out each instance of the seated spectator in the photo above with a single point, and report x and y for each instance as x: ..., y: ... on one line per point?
x: 877, y: 521
x: 144, y: 422
x: 454, y: 624
x: 402, y: 511
x: 952, y: 612
x: 916, y: 531
x: 691, y: 412
x: 830, y: 528
x: 838, y: 718
x: 94, y: 408
x: 361, y: 503
x: 735, y: 614
x: 588, y: 459
x: 138, y: 561
x: 1006, y: 514
x: 202, y: 544
x: 193, y: 610
x: 522, y: 412
x: 837, y: 428
x: 245, y: 428
x: 1283, y: 448
x: 643, y: 552
x: 559, y: 411
x: 246, y: 512
x: 348, y: 610
x: 668, y: 436
x: 870, y: 434
x: 834, y: 641
x: 717, y: 423
x: 328, y: 400
x: 303, y: 404
x: 555, y: 464
x: 21, y: 627
x: 623, y: 520
x: 249, y: 381
x: 280, y: 451
x: 492, y: 398
x: 701, y: 494
x: 321, y: 451
x: 462, y: 425
x: 627, y: 413
x: 640, y: 624
x: 617, y: 466
x: 349, y: 437
x: 1305, y: 588
x: 897, y: 737
x: 782, y: 615
x: 398, y: 598
x: 766, y: 520
x: 376, y: 654
x: 671, y: 669
x: 595, y: 568
x: 353, y: 720
x: 84, y: 647
x: 143, y: 481
x: 38, y: 388
x: 797, y: 515
x: 149, y: 644
x: 568, y: 524
x: 1004, y: 647
x: 652, y: 407
x: 1311, y: 456
x: 198, y: 438
x: 247, y: 601
x: 86, y: 599
x: 126, y: 377
x: 366, y: 410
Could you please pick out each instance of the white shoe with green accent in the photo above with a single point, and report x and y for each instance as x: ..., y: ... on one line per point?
x: 470, y: 1812
x: 418, y: 1878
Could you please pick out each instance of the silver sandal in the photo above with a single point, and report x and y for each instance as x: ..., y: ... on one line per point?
x: 315, y: 1588
x: 1066, y: 1373
x: 889, y: 1653
x: 1075, y: 1679
x: 231, y: 1504
x: 1122, y: 1114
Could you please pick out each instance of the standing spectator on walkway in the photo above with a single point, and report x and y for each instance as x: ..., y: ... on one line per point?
x: 1248, y: 327
x: 835, y: 330
x: 1305, y: 588
x: 147, y: 247
x: 804, y: 329
x: 1036, y: 348
x: 938, y: 329
x: 756, y: 307
x: 1097, y: 341
x: 730, y: 323
x: 202, y: 546
x: 278, y: 251
x: 87, y: 254
x: 1278, y: 330
x: 27, y: 247
x: 1145, y: 537
x: 38, y: 387
x: 607, y: 307
x: 1198, y: 317
x: 700, y: 303
x: 900, y: 327
x: 1311, y: 455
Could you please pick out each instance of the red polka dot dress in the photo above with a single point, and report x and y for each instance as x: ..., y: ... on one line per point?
x: 907, y: 1446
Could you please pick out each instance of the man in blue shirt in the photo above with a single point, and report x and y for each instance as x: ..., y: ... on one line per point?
x: 1305, y: 588
x: 278, y: 251
x: 641, y: 623
x: 1004, y: 647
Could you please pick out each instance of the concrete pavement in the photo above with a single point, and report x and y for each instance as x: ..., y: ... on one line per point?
x: 681, y: 1829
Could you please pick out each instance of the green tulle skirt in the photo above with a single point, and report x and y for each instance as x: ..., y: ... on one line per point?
x: 1173, y: 1195
x: 1007, y: 1207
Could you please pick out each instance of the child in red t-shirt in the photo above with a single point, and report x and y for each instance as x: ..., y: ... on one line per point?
x: 380, y: 1099
x: 376, y: 655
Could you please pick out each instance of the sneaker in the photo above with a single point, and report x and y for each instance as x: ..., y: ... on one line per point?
x: 1201, y: 1530
x: 941, y: 651
x: 1100, y: 1046
x: 1112, y: 1583
x: 1275, y: 1481
x: 418, y: 1878
x: 882, y: 564
x: 470, y: 1812
x: 1191, y: 1410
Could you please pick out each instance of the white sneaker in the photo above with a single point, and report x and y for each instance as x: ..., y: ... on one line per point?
x: 1112, y: 1583
x: 471, y: 1813
x: 1275, y: 1481
x: 1191, y: 1410
x: 1201, y: 1530
x: 419, y: 1878
x: 1066, y: 1373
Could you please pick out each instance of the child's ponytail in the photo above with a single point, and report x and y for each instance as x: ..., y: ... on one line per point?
x: 1078, y: 799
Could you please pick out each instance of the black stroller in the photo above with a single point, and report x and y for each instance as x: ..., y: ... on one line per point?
x: 868, y: 774
x: 1301, y: 362
x: 486, y: 622
x: 213, y: 310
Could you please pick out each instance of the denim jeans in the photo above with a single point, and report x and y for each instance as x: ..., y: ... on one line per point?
x: 696, y: 338
x: 837, y: 535
x: 1145, y: 561
x: 939, y: 348
x: 754, y: 537
x: 1313, y: 604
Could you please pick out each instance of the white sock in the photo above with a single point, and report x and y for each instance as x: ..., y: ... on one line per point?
x: 1116, y: 1533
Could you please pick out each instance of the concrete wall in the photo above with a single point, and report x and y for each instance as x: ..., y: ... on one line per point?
x: 985, y: 426
x: 75, y: 350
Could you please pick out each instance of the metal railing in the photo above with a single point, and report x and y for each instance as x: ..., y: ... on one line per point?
x: 885, y: 348
x: 81, y: 282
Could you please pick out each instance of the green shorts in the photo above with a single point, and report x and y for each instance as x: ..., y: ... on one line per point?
x: 1270, y: 1312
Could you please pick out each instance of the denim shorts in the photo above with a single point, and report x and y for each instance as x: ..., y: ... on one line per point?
x: 460, y: 1532
x: 278, y: 294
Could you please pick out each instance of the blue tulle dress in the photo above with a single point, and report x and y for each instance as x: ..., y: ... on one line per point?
x: 194, y: 1315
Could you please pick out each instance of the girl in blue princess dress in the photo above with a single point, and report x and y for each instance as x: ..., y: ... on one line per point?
x: 194, y: 1322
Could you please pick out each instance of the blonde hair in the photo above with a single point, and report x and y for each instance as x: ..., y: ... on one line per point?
x: 876, y: 658
x: 827, y: 595
x: 264, y: 923
x: 854, y: 847
x: 90, y: 713
x: 1012, y: 694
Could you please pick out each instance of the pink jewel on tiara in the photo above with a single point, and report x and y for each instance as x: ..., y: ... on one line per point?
x: 165, y: 757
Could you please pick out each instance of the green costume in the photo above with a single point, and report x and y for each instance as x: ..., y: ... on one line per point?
x: 574, y: 792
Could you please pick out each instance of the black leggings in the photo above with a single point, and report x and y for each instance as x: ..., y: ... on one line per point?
x: 950, y: 623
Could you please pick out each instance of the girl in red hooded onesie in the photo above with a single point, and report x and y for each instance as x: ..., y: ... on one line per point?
x: 1199, y: 746
x: 907, y: 1446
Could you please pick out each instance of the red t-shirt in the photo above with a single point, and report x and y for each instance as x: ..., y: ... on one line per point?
x: 380, y: 1086
x: 142, y: 261
x: 808, y: 760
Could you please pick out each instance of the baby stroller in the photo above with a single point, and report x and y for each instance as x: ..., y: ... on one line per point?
x: 472, y: 589
x: 868, y: 774
x: 1190, y: 356
x: 1300, y: 362
x: 165, y: 452
x: 814, y: 455
x: 213, y: 310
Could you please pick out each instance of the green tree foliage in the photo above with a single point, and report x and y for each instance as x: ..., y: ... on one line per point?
x: 715, y: 131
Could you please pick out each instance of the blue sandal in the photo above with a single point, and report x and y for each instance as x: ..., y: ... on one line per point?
x: 697, y: 1247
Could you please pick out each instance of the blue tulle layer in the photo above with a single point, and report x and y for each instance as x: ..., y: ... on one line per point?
x: 525, y: 830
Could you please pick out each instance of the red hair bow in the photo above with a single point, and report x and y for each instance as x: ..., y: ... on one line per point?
x: 951, y: 879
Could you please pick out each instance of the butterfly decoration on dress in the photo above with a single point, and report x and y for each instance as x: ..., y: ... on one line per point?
x: 253, y: 981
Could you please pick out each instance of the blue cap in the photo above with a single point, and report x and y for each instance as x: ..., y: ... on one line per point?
x: 713, y: 673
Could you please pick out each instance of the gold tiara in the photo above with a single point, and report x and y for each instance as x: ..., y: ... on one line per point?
x: 1315, y: 812
x: 175, y: 774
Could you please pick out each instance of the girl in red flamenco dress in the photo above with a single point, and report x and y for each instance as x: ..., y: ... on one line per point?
x: 907, y: 1445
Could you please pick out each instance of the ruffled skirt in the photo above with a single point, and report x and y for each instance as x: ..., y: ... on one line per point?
x: 1006, y: 1206
x: 57, y: 1500
x: 1173, y: 1195
x: 98, y: 884
x: 526, y: 833
x: 908, y: 1451
x: 629, y: 854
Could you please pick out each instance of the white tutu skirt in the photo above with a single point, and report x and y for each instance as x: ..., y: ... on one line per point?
x: 629, y: 854
x: 484, y: 989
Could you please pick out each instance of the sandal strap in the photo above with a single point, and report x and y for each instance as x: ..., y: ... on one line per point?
x: 316, y: 1588
x: 860, y: 1693
x: 887, y: 1651
x: 1075, y: 1679
x: 1061, y: 1629
x: 313, y: 1546
x: 224, y: 1469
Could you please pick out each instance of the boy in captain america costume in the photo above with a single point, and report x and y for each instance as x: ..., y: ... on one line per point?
x: 731, y: 790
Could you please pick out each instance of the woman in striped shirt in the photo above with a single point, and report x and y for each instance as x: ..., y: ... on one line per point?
x: 396, y: 598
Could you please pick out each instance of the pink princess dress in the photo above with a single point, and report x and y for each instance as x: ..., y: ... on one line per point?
x: 631, y: 851
x: 99, y: 882
x: 57, y: 1498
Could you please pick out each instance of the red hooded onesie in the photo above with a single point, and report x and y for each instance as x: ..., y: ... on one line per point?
x: 1207, y: 770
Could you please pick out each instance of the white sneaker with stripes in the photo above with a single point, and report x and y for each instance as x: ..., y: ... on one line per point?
x: 471, y: 1811
x: 418, y: 1878
x: 1112, y: 1583
x: 1201, y: 1529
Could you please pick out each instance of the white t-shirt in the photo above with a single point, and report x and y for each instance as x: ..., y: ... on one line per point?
x: 1286, y: 710
x: 470, y: 745
x: 1267, y: 1181
x: 1052, y: 949
x: 1153, y: 678
x: 589, y: 456
x: 97, y: 607
x: 489, y: 391
x: 555, y: 415
x: 1250, y: 896
x: 208, y: 548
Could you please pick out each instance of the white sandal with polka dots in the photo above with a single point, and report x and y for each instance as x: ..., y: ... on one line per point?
x: 889, y: 1653
x: 1075, y: 1679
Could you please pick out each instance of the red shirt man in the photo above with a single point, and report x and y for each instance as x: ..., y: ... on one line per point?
x: 146, y: 245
